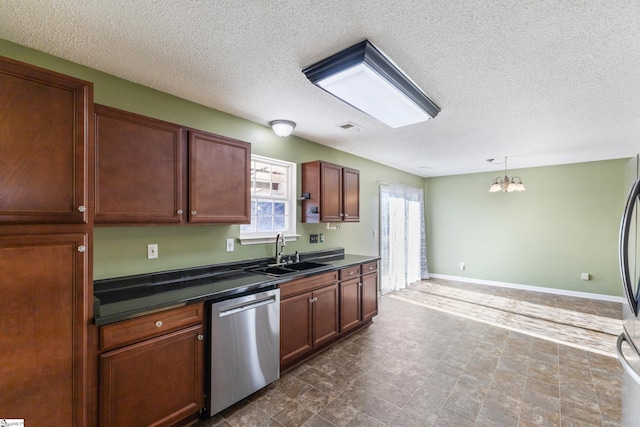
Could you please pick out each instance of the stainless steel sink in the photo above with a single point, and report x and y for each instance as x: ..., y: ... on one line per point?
x: 293, y: 268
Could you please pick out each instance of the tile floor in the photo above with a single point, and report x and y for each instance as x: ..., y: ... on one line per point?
x: 454, y: 354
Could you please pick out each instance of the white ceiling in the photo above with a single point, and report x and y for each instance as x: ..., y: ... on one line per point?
x: 542, y: 81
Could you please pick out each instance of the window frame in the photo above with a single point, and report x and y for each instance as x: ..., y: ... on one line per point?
x: 290, y: 234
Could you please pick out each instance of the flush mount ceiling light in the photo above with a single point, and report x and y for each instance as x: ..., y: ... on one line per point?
x: 505, y: 183
x: 282, y: 127
x: 363, y: 77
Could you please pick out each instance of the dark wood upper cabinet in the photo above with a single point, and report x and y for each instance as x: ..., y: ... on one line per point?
x: 219, y: 179
x: 351, y: 194
x: 139, y: 169
x: 152, y: 172
x: 45, y: 127
x: 334, y: 193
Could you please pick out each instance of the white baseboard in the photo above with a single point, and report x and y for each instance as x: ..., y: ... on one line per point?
x: 555, y: 291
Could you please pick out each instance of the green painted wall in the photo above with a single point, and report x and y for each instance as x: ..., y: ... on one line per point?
x: 121, y: 251
x: 565, y: 224
x: 545, y: 236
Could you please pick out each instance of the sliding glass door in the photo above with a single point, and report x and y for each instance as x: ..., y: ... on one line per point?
x: 402, y: 238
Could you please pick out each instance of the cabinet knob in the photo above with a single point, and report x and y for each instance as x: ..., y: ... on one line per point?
x: 158, y: 323
x: 351, y: 273
x: 341, y: 214
x: 82, y: 248
x: 346, y: 215
x: 360, y: 284
x: 371, y: 267
x: 194, y: 213
x: 311, y: 300
x: 200, y: 337
x: 82, y: 209
x: 315, y: 299
x: 179, y: 211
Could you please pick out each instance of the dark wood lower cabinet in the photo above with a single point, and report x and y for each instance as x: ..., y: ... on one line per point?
x: 358, y: 296
x: 43, y: 332
x: 308, y: 320
x: 326, y: 325
x: 156, y: 382
x: 296, y: 336
x: 316, y: 311
x: 369, y: 296
x: 350, y: 307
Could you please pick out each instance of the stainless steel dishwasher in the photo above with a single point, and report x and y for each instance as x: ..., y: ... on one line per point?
x: 243, y: 349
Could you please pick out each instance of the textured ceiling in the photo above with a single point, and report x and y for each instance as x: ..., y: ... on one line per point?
x: 543, y: 82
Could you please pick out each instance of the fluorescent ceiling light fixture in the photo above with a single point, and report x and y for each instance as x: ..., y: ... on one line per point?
x: 363, y: 77
x: 282, y: 127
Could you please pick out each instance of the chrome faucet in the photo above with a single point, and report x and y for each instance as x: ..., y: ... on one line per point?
x: 279, y: 239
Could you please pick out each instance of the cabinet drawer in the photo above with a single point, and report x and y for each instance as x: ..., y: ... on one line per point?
x: 138, y: 329
x: 349, y: 272
x: 304, y: 285
x: 370, y: 267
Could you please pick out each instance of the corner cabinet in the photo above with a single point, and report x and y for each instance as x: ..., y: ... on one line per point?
x: 44, y: 128
x: 151, y: 369
x: 332, y: 193
x: 153, y: 172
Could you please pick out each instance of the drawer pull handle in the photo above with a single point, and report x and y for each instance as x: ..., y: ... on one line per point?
x: 158, y: 323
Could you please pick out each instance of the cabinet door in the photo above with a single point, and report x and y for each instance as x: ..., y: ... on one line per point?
x: 295, y: 327
x: 138, y: 169
x: 43, y: 329
x: 349, y: 304
x: 351, y: 195
x: 369, y: 296
x: 330, y: 192
x: 153, y: 383
x: 325, y: 314
x: 44, y: 139
x: 219, y: 179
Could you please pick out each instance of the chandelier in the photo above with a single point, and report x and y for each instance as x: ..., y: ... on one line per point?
x: 505, y: 183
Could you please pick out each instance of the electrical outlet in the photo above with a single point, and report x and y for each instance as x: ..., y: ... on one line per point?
x: 152, y: 251
x: 313, y: 238
x: 229, y: 245
x: 461, y: 265
x: 585, y: 276
x: 321, y: 237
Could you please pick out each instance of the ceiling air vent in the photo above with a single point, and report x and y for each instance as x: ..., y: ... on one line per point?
x: 351, y: 127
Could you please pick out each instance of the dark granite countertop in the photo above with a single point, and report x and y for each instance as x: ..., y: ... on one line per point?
x: 123, y: 298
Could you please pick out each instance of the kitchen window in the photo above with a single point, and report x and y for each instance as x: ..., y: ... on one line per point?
x: 273, y: 201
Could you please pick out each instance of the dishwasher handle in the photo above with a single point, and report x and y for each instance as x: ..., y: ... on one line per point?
x: 249, y: 305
